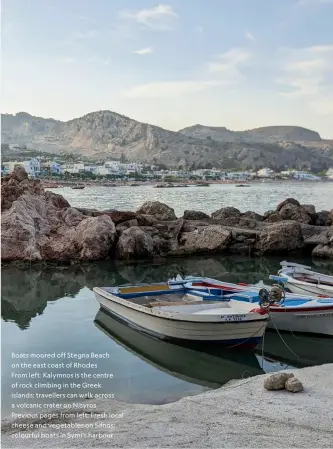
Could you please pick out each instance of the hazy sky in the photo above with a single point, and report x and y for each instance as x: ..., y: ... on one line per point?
x: 234, y: 63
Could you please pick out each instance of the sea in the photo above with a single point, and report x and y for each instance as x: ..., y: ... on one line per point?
x: 52, y: 310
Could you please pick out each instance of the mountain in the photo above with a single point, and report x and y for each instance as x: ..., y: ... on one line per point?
x: 106, y: 134
x: 266, y: 133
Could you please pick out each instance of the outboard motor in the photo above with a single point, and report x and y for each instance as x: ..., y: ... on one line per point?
x: 268, y: 297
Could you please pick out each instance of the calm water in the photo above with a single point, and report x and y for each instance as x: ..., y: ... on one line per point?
x: 54, y: 310
x: 260, y: 197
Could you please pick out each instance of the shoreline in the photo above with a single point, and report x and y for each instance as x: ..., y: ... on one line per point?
x: 245, y: 415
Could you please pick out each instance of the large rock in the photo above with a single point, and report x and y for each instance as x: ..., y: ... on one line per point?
x: 323, y: 218
x: 160, y: 210
x: 117, y: 216
x: 228, y: 216
x: 280, y: 237
x: 323, y: 251
x: 94, y: 237
x: 134, y: 243
x: 39, y: 225
x: 252, y: 215
x: 294, y: 385
x: 287, y: 201
x: 211, y: 239
x: 294, y: 212
x: 277, y: 381
x: 195, y: 215
x: 310, y: 209
x: 273, y: 217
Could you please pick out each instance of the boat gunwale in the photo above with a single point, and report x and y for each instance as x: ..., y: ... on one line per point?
x: 180, y: 317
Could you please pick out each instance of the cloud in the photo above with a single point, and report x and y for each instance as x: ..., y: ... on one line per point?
x: 249, y: 36
x: 228, y: 65
x: 144, y: 51
x: 160, y: 17
x: 169, y: 88
x: 314, y: 2
x: 199, y: 29
x: 307, y: 74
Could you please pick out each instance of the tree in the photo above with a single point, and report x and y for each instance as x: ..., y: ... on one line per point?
x: 123, y: 158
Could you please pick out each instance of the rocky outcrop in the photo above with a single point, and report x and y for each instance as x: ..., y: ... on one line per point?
x: 280, y: 237
x: 135, y: 243
x: 159, y: 210
x: 210, y: 239
x: 41, y: 226
x: 195, y: 215
x: 228, y: 216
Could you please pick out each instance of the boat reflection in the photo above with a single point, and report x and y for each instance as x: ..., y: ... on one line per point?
x: 206, y: 365
x: 298, y: 350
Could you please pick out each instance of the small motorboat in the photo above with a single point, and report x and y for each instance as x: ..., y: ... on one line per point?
x: 289, y: 312
x: 78, y: 187
x: 171, y: 311
x: 243, y: 185
x: 301, y: 279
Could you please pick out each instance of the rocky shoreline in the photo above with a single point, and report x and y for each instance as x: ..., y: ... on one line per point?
x: 39, y: 225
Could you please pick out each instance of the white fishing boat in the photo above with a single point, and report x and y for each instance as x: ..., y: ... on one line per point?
x: 301, y: 279
x: 289, y: 312
x: 172, y: 312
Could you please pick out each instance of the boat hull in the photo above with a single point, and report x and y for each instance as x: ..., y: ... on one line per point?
x: 305, y: 288
x: 307, y: 321
x: 238, y: 333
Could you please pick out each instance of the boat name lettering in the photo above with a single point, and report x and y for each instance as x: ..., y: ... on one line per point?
x: 234, y: 317
x: 315, y: 315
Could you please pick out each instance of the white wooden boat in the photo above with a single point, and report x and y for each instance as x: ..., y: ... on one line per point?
x: 290, y: 312
x: 301, y: 279
x: 207, y: 365
x: 172, y: 312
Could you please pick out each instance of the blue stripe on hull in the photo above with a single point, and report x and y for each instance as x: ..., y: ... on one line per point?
x: 239, y: 342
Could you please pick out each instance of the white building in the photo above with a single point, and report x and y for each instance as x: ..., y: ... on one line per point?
x: 31, y: 166
x: 73, y: 168
x: 305, y: 176
x: 265, y: 173
x: 329, y: 173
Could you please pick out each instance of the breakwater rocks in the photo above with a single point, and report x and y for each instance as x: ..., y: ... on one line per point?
x: 38, y: 225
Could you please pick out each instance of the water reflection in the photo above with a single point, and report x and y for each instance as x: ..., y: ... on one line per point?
x: 25, y: 293
x: 206, y: 365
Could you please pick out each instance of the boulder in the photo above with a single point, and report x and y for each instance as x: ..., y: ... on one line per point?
x: 277, y: 381
x: 19, y: 173
x: 323, y: 218
x: 287, y: 201
x: 211, y: 239
x: 195, y: 215
x: 310, y: 209
x: 292, y: 212
x: 41, y: 225
x: 323, y: 251
x: 134, y: 243
x: 294, y: 385
x: 117, y: 216
x: 126, y: 224
x: 146, y: 220
x: 280, y: 237
x: 228, y: 216
x: 274, y: 217
x: 160, y: 210
x: 94, y: 237
x: 253, y: 215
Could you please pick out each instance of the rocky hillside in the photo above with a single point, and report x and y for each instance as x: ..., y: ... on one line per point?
x: 105, y: 134
x: 264, y: 134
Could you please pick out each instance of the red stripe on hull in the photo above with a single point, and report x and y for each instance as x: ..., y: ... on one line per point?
x: 299, y: 309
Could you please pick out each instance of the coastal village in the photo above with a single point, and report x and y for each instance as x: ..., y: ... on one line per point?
x: 39, y: 167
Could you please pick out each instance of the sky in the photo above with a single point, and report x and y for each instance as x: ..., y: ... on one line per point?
x: 234, y: 63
